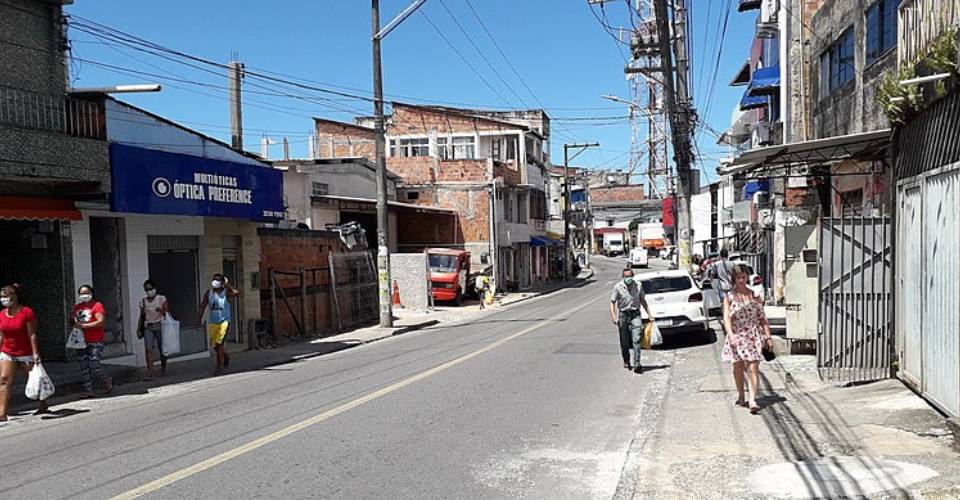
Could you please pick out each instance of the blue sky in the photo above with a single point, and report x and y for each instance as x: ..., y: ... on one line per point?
x: 559, y: 49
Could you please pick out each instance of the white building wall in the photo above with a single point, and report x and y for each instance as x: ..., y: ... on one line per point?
x: 134, y: 270
x: 701, y: 214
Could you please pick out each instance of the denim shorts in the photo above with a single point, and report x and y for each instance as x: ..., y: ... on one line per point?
x: 152, y: 338
x: 20, y: 359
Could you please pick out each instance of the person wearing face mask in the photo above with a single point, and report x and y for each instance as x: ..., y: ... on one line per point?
x: 19, y: 350
x: 153, y: 308
x: 625, y: 303
x: 89, y: 316
x: 217, y: 299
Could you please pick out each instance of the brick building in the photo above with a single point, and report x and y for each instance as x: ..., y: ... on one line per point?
x: 487, y: 166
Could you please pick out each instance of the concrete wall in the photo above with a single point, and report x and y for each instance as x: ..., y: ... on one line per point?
x: 38, y: 65
x: 44, y: 155
x: 701, y: 213
x: 412, y: 275
x: 852, y: 108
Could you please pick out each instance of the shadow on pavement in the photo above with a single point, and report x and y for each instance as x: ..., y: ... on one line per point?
x: 687, y: 339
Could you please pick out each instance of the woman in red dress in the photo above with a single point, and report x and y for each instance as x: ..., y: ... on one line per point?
x: 18, y: 328
x: 747, y: 330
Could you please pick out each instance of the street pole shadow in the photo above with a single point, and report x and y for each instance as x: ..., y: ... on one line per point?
x: 62, y: 413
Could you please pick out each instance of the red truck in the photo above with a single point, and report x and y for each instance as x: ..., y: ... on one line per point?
x: 449, y: 274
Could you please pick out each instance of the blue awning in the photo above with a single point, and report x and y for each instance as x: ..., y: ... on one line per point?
x: 765, y: 81
x: 540, y: 241
x: 748, y: 102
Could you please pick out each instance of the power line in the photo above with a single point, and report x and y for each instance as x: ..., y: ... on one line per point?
x: 461, y: 56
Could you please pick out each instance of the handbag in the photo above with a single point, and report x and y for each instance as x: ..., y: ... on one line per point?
x: 75, y: 340
x: 767, y: 352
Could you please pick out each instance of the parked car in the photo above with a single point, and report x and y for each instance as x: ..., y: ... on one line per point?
x: 639, y: 257
x: 676, y: 301
x: 711, y: 298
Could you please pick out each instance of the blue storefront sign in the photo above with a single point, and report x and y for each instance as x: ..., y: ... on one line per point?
x: 148, y: 181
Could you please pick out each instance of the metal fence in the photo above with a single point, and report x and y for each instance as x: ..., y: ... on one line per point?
x: 855, y: 335
x: 353, y: 277
x: 54, y: 113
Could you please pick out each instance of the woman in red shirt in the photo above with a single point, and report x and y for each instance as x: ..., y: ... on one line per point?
x: 18, y: 328
x: 89, y: 316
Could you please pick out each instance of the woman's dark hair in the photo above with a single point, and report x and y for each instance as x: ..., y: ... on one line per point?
x: 12, y: 289
x: 150, y: 283
x: 88, y: 287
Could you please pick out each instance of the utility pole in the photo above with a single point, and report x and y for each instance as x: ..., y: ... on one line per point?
x: 236, y: 113
x: 678, y: 107
x: 566, y: 201
x: 383, y: 247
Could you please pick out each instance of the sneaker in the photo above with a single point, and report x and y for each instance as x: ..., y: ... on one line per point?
x: 638, y: 369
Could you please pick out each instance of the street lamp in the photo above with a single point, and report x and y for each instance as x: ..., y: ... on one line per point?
x: 383, y: 248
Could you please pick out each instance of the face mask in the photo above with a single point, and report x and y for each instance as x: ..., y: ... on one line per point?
x: 86, y: 297
x: 215, y: 283
x: 628, y: 281
x: 6, y: 301
x: 151, y: 293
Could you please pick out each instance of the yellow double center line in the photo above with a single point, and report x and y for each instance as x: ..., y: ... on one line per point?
x: 316, y: 419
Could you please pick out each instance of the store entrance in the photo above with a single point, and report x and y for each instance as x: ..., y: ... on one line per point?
x: 173, y: 265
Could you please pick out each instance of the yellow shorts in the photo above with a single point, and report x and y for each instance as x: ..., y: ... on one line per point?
x: 217, y: 332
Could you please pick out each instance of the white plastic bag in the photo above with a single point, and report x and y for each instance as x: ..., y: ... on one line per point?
x: 39, y: 385
x: 656, y: 338
x: 170, y: 335
x: 75, y: 340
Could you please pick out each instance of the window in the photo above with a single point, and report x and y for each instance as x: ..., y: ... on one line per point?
x: 522, y: 208
x: 881, y: 28
x: 837, y: 64
x: 320, y: 189
x: 406, y: 148
x: 610, y: 222
x: 442, y: 263
x: 456, y: 148
x: 667, y: 284
x: 496, y: 149
x: 413, y: 195
x: 511, y: 148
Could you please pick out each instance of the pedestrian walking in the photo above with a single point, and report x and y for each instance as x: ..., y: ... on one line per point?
x: 625, y: 303
x: 89, y: 316
x: 747, y: 332
x: 482, y: 284
x: 153, y: 308
x: 217, y: 299
x: 18, y: 348
x: 720, y: 273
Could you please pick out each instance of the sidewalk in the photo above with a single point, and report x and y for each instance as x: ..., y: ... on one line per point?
x: 66, y: 376
x: 811, y: 440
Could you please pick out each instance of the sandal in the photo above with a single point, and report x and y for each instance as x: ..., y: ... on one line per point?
x: 754, y: 410
x: 740, y: 402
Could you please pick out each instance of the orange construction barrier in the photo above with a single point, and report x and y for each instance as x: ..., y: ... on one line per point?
x: 396, y: 294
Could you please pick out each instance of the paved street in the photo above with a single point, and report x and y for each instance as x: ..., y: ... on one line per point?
x: 530, y: 400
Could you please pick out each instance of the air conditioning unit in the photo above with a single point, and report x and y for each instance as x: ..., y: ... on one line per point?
x: 761, y: 134
x: 761, y: 199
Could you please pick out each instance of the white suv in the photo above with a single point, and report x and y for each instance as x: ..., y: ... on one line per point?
x: 676, y: 301
x: 639, y: 257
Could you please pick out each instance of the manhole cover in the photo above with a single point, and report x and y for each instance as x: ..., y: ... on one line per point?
x: 832, y: 477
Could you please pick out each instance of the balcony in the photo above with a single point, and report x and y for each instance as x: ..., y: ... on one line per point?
x: 60, y: 114
x: 920, y: 22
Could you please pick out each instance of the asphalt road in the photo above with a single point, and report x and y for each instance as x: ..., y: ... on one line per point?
x: 527, y: 401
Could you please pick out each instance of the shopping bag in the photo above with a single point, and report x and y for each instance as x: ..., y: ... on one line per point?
x: 75, y: 340
x: 645, y: 341
x: 170, y: 335
x: 39, y: 385
x: 656, y: 338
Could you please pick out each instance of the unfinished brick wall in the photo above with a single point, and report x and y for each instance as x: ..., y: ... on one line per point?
x: 290, y: 250
x: 413, y: 171
x: 463, y: 171
x: 617, y: 194
x: 414, y: 120
x: 473, y: 211
x: 343, y: 140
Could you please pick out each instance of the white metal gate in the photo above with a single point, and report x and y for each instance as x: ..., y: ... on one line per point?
x: 929, y: 294
x: 855, y: 342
